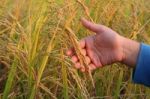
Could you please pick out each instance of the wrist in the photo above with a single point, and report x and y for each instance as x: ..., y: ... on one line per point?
x: 130, y: 51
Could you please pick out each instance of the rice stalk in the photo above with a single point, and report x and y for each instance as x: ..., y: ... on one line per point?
x: 85, y: 9
x: 135, y: 25
x: 117, y: 91
x: 81, y: 57
x: 47, y: 90
x: 73, y: 39
x: 83, y: 92
x: 44, y: 62
x: 45, y: 58
x: 64, y: 77
x: 10, y: 79
x: 36, y: 33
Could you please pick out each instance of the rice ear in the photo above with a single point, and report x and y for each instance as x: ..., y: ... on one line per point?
x: 77, y: 48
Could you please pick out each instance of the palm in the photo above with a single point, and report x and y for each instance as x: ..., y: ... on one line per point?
x: 101, y: 49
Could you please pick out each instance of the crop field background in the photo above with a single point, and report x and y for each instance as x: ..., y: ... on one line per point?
x: 33, y: 41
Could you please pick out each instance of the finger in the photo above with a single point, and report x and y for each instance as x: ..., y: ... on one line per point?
x: 70, y: 52
x: 88, y: 60
x: 83, y: 51
x: 82, y: 43
x: 82, y: 69
x: 74, y: 59
x: 77, y: 65
x: 94, y: 58
x: 92, y: 67
x: 91, y: 26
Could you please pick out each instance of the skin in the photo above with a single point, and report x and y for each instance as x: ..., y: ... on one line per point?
x: 105, y: 47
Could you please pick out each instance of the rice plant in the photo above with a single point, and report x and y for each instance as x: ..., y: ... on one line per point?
x: 35, y: 34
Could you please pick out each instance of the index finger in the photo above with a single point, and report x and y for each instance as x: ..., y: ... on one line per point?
x: 82, y: 43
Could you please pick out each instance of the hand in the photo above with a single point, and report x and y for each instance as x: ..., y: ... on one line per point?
x: 103, y: 48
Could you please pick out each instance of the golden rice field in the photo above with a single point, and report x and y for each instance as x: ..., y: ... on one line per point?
x: 34, y: 35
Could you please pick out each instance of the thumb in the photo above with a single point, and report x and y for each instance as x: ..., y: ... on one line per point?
x: 91, y: 26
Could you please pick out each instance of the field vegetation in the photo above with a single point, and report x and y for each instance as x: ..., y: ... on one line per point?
x: 35, y: 34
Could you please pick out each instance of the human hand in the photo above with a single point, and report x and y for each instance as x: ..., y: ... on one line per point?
x: 103, y: 48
